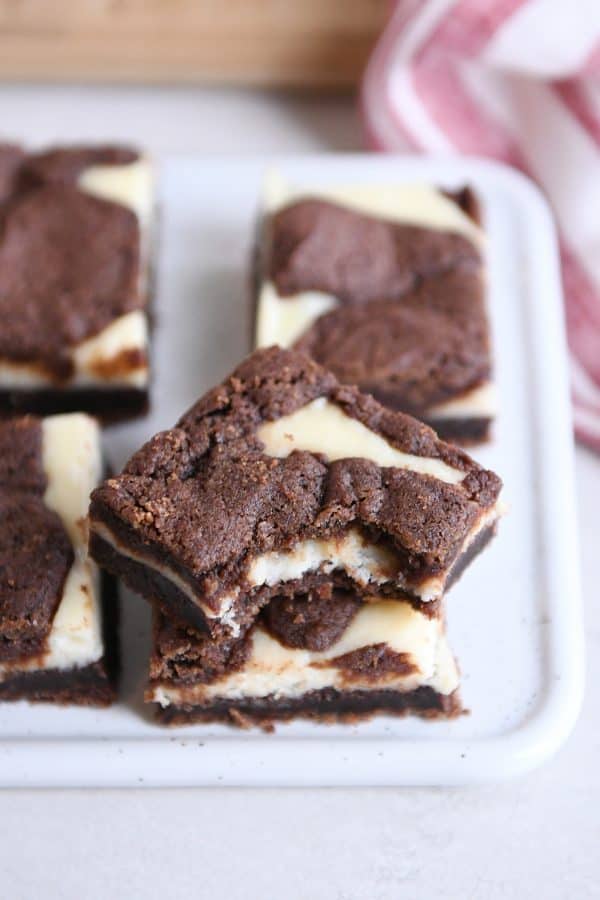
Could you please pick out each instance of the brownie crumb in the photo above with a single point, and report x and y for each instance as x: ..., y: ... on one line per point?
x: 373, y: 661
x: 313, y: 621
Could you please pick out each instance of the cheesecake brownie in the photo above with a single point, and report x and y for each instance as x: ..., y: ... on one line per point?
x: 57, y: 613
x: 282, y: 479
x: 385, y: 287
x: 75, y: 234
x: 329, y: 658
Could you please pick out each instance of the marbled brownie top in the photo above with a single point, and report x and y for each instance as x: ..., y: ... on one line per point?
x: 69, y: 261
x: 410, y: 324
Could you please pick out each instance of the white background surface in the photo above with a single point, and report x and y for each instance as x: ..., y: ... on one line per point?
x: 535, y: 837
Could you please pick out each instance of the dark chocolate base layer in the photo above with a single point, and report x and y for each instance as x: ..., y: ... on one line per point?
x: 327, y: 705
x: 467, y: 431
x: 92, y: 685
x: 107, y: 404
x: 86, y: 686
x: 479, y: 543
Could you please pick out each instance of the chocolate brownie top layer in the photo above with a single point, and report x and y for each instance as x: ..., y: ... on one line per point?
x: 204, y: 496
x: 411, y: 325
x: 69, y: 262
x: 35, y: 551
x: 317, y: 245
x: 422, y: 349
x: 11, y: 158
x: 64, y: 165
x: 69, y: 266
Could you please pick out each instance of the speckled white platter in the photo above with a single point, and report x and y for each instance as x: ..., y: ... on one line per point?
x: 515, y: 616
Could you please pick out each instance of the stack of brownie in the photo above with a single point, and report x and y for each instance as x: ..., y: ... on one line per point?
x: 75, y: 228
x: 296, y: 539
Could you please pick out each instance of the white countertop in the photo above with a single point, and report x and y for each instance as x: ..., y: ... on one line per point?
x: 536, y: 837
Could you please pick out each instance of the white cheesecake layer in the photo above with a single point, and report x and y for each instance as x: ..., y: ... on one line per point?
x: 322, y: 427
x: 73, y: 466
x: 282, y: 320
x: 416, y: 203
x: 480, y: 402
x: 279, y: 671
x: 365, y: 562
x: 131, y: 185
x: 92, y: 360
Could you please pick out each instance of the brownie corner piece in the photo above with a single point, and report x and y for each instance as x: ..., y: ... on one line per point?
x: 58, y: 614
x: 282, y: 479
x: 80, y: 339
x: 385, y: 286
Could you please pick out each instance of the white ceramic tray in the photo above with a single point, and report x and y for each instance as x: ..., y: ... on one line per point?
x: 514, y: 618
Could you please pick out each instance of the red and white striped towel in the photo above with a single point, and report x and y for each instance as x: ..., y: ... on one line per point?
x: 517, y: 80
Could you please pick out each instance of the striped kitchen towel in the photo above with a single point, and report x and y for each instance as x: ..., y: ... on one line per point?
x: 519, y: 81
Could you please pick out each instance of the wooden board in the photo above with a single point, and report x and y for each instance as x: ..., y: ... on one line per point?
x: 315, y: 43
